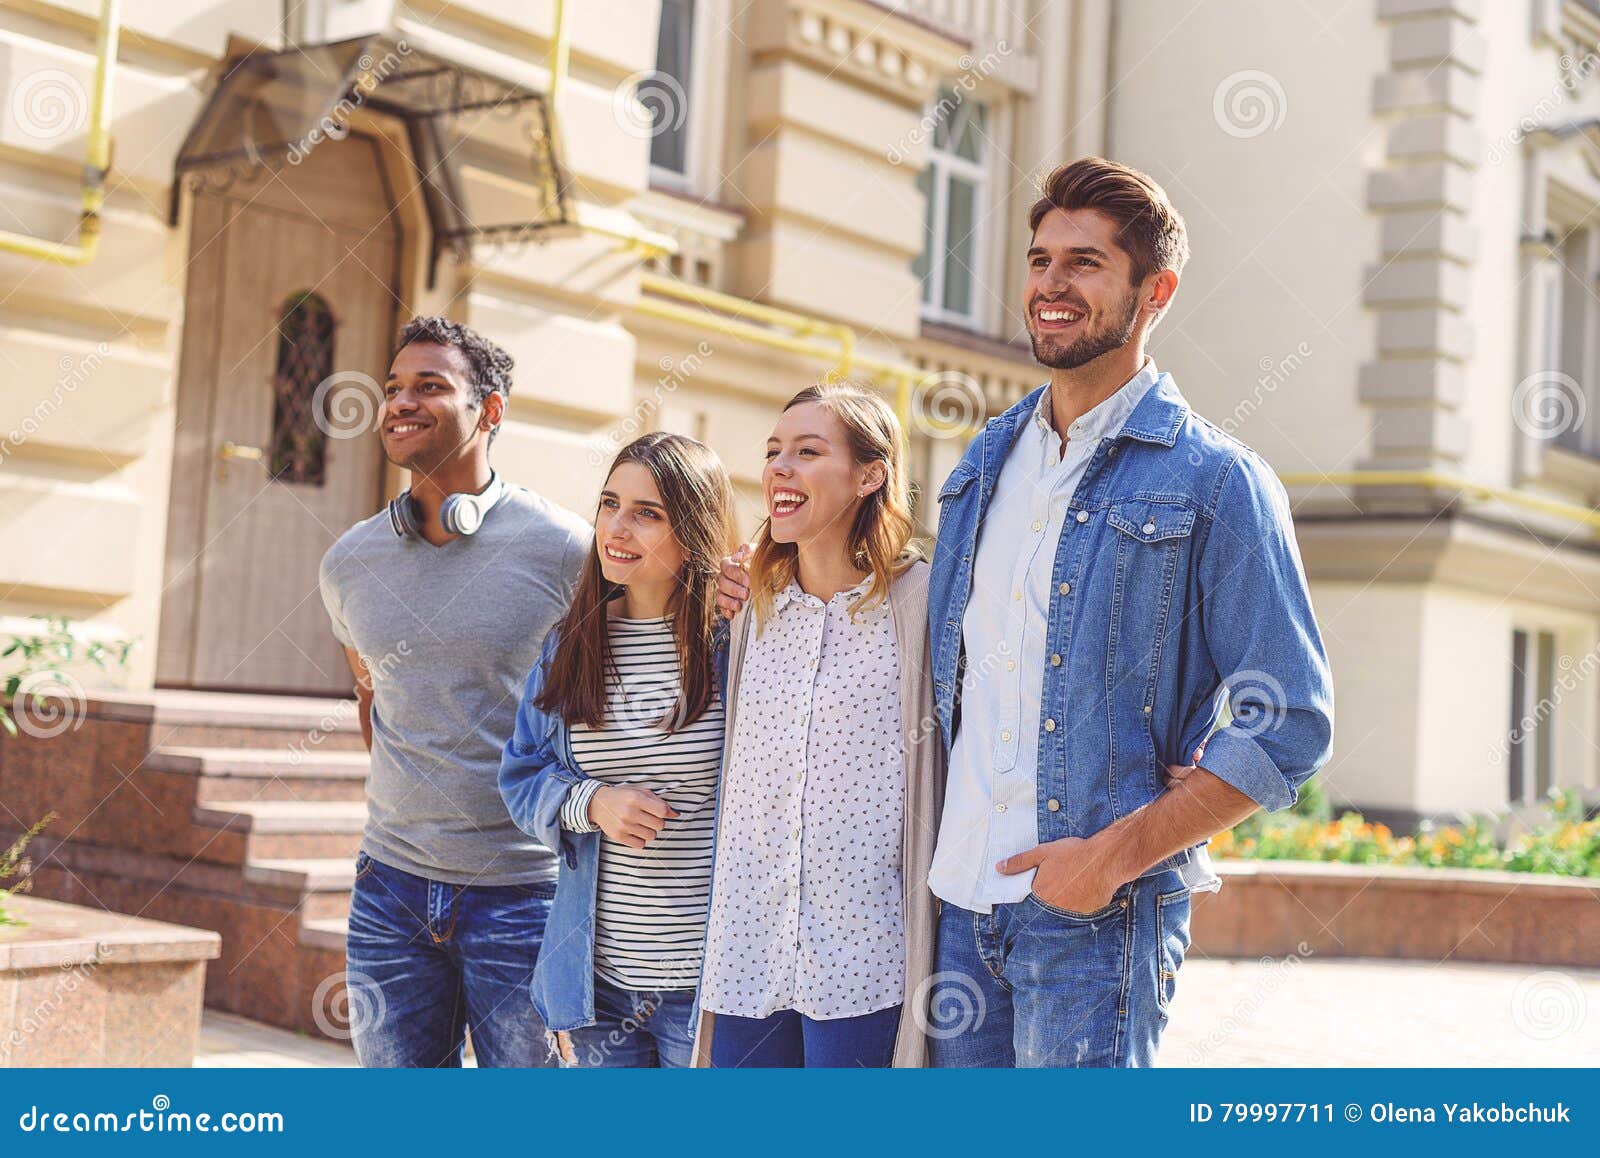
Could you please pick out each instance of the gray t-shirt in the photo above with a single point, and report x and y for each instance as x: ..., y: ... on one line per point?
x: 450, y: 634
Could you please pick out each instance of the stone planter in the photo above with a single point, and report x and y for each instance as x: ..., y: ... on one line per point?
x: 81, y: 987
x: 1301, y: 908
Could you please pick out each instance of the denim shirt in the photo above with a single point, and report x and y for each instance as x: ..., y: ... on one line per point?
x: 536, y: 771
x: 1176, y: 575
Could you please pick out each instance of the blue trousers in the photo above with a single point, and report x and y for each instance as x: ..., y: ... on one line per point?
x: 1032, y: 985
x: 790, y: 1040
x: 426, y: 960
x: 636, y: 1029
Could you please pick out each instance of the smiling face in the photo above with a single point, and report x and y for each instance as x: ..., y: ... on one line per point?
x: 1079, y: 297
x: 632, y: 533
x: 429, y: 409
x: 812, y: 482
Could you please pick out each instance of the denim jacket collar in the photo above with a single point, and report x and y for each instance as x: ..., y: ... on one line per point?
x: 1157, y: 418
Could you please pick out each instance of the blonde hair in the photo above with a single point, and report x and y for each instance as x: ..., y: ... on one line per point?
x: 880, y: 536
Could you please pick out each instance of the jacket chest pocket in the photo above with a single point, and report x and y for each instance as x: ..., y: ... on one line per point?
x: 1152, y: 539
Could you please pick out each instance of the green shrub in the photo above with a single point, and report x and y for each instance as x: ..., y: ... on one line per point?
x: 1566, y: 844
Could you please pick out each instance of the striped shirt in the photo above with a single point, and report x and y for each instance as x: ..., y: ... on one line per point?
x: 650, y: 903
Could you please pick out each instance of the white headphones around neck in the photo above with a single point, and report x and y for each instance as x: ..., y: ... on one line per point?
x: 461, y: 514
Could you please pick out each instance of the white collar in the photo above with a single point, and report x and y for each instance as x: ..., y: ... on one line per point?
x: 1108, y: 416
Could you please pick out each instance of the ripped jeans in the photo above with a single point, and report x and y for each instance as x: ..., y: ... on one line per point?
x: 633, y: 1029
x: 427, y: 960
x: 1032, y: 985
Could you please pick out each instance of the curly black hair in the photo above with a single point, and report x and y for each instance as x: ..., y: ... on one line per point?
x: 491, y: 366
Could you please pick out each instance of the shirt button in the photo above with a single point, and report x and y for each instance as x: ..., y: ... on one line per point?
x: 1054, y: 805
x: 1055, y: 661
x: 1149, y: 528
x: 1011, y: 665
x: 1016, y: 596
x: 1148, y: 709
x: 1037, y: 525
x: 1065, y: 589
x: 1083, y: 516
x: 1001, y: 807
x: 1049, y: 725
x: 1006, y: 737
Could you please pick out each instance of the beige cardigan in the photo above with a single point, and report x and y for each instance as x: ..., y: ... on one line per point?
x: 925, y: 772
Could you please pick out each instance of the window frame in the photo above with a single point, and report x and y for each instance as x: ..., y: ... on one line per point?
x: 662, y: 177
x: 945, y: 163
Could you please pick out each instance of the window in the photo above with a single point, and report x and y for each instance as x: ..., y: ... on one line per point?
x: 956, y: 185
x: 1572, y: 309
x: 305, y: 359
x: 666, y: 94
x: 1533, y: 701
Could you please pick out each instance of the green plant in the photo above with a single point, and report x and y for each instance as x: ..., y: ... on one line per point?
x: 48, y: 652
x: 12, y: 864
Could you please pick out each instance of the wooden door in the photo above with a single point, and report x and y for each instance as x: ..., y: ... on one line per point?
x: 289, y: 320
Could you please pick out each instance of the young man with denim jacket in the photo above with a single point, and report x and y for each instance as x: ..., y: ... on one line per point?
x: 1107, y: 561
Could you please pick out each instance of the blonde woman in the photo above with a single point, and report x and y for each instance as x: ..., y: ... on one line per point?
x: 821, y: 929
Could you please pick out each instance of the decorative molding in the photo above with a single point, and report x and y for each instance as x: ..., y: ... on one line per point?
x: 1422, y: 194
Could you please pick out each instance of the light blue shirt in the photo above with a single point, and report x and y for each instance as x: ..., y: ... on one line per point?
x: 989, y: 808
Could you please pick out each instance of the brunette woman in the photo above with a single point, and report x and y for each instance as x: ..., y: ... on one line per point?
x: 616, y: 757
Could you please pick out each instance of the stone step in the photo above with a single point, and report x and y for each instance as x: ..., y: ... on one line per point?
x: 265, y: 773
x: 250, y: 831
x: 327, y: 934
x: 305, y: 724
x: 324, y: 884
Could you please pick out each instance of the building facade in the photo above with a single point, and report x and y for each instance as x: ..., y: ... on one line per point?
x: 1392, y: 297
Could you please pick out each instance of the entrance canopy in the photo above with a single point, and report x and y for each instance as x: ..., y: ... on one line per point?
x: 484, y: 148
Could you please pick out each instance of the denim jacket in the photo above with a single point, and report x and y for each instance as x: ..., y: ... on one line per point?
x: 1176, y: 575
x: 536, y: 771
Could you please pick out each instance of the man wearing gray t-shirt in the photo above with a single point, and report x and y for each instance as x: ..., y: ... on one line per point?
x: 442, y: 602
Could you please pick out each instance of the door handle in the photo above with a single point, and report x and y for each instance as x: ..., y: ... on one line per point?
x: 231, y: 450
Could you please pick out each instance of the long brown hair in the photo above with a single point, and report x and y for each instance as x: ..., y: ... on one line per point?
x: 698, y: 497
x: 881, y: 533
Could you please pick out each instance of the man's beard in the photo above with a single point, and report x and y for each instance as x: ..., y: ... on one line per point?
x: 1087, y: 347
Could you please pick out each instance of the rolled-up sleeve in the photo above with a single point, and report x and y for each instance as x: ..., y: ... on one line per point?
x: 1263, y: 640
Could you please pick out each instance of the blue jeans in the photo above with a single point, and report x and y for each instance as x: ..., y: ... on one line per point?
x: 787, y: 1039
x: 426, y: 960
x: 638, y: 1029
x: 1033, y: 985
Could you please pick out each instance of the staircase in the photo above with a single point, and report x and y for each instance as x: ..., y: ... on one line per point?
x: 236, y: 813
